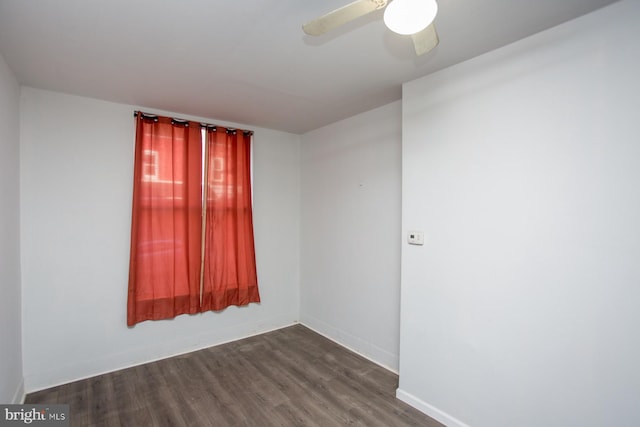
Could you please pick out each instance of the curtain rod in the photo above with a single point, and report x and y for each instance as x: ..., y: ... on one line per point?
x: 186, y: 122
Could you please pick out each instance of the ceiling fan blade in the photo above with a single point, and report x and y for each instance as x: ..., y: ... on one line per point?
x: 425, y: 40
x: 341, y: 16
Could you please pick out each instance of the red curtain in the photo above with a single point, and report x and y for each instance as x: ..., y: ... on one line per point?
x: 167, y: 259
x: 229, y: 257
x: 164, y: 271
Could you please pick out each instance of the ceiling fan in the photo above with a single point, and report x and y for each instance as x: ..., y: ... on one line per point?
x: 407, y: 17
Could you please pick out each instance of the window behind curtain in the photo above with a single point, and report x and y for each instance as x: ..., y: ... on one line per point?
x: 171, y: 271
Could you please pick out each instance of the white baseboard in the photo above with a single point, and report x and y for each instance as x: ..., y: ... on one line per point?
x: 364, y: 348
x: 60, y: 375
x: 19, y: 395
x: 430, y: 410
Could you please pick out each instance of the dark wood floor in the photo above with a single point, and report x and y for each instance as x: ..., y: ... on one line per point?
x: 289, y: 377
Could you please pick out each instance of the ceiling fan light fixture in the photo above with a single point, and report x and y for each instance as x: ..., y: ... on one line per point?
x: 410, y: 16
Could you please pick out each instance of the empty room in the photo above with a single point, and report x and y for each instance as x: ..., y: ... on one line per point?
x: 304, y: 213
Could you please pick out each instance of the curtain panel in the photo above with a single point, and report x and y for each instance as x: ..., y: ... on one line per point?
x: 229, y: 260
x: 192, y: 244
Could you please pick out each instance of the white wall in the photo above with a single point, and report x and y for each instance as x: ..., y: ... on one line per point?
x: 350, y: 226
x: 523, y: 168
x: 76, y: 172
x: 11, y: 386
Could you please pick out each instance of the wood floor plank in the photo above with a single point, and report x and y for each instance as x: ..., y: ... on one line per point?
x: 288, y: 377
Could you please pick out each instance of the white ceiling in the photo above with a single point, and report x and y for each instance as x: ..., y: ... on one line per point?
x: 248, y: 61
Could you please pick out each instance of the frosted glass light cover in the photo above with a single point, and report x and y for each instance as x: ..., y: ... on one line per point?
x: 410, y: 16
